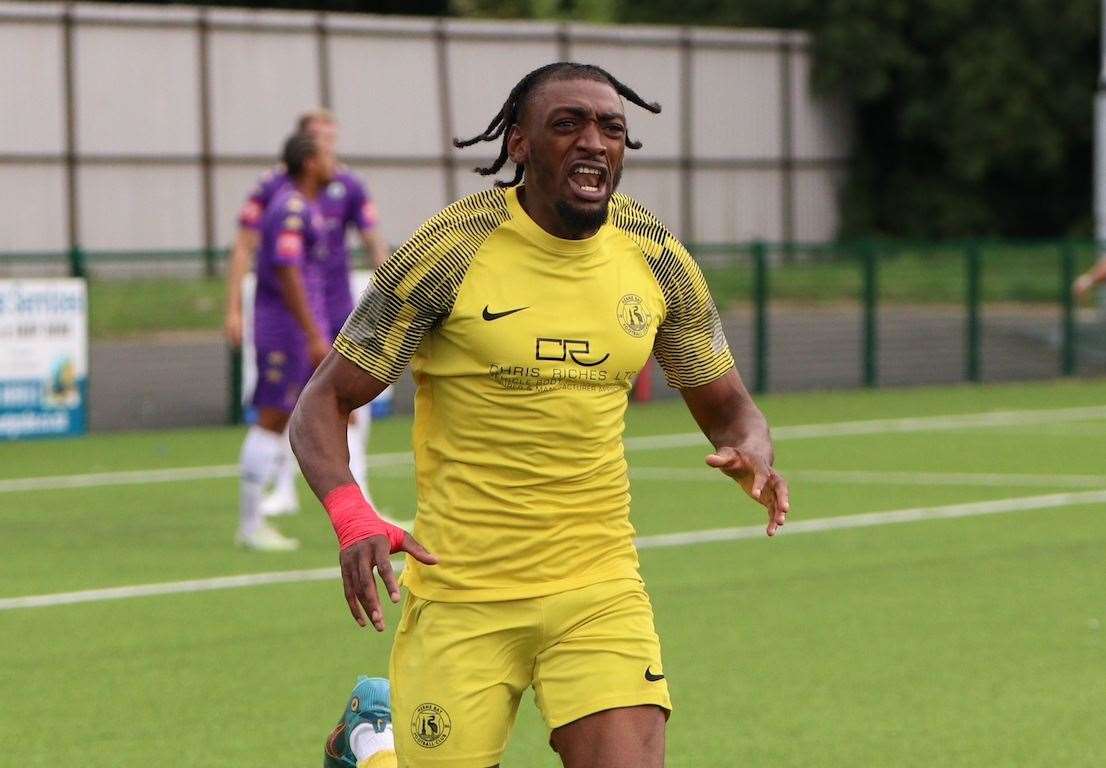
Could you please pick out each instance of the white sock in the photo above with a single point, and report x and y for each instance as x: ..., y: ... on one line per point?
x: 364, y: 741
x: 358, y: 440
x: 287, y: 468
x: 257, y: 465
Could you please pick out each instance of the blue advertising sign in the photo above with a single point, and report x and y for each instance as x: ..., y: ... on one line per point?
x: 43, y: 358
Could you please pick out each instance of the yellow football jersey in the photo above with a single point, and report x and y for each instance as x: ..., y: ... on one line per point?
x: 524, y: 347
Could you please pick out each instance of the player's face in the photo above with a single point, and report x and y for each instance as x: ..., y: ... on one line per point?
x: 321, y: 166
x: 325, y: 134
x: 572, y: 141
x: 328, y: 164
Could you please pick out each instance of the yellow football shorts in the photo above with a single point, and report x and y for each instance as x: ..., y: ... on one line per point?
x: 458, y: 670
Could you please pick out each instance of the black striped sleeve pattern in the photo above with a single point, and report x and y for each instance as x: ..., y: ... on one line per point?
x: 415, y: 289
x: 690, y: 345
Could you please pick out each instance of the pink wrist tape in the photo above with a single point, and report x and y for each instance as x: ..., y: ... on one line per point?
x: 354, y: 518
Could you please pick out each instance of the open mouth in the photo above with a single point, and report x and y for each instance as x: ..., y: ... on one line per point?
x: 588, y: 181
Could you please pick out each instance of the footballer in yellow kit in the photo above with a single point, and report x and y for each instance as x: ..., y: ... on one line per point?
x: 524, y: 344
x: 527, y: 345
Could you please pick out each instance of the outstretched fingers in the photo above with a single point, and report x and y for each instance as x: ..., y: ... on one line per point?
x: 412, y: 547
x: 351, y: 586
x: 762, y: 474
x: 368, y: 596
x: 388, y: 576
x: 358, y: 562
x: 776, y: 499
x: 763, y: 484
x: 359, y: 582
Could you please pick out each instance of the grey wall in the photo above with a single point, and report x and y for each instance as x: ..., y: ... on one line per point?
x: 143, y: 127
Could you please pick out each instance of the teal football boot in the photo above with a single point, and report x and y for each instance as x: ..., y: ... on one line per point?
x: 370, y: 705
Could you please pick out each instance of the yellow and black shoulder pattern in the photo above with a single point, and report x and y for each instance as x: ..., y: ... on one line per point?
x: 690, y: 345
x: 416, y: 288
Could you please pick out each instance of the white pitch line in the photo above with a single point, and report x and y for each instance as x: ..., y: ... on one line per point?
x: 127, y: 477
x: 861, y: 477
x: 643, y: 443
x: 151, y: 476
x: 891, y: 426
x: 865, y: 520
x: 169, y: 588
x: 870, y: 519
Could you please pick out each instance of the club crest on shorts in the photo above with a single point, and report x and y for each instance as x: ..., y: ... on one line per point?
x: 354, y: 704
x: 633, y: 316
x: 430, y: 725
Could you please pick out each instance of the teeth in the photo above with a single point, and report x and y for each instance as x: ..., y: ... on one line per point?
x: 584, y: 169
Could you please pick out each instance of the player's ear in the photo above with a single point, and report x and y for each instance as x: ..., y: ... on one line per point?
x: 518, y: 147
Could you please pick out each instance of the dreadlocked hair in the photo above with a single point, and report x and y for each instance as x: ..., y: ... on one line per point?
x: 511, y: 111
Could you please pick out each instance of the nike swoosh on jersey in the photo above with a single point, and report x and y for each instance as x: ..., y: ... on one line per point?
x: 651, y: 677
x: 496, y: 315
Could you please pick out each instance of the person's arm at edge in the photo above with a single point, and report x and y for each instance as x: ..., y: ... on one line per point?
x: 737, y: 429
x: 1096, y: 275
x: 241, y: 258
x: 365, y: 219
x: 317, y: 432
x: 294, y: 292
x: 375, y: 246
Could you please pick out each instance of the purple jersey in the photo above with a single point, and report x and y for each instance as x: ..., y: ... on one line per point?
x: 252, y: 211
x: 292, y: 235
x: 345, y: 201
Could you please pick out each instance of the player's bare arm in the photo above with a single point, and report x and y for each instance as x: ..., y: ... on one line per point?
x: 318, y: 435
x: 1096, y: 275
x: 737, y: 429
x: 241, y: 258
x: 375, y: 246
x: 295, y: 298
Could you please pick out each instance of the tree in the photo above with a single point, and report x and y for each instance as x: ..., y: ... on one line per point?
x: 973, y: 117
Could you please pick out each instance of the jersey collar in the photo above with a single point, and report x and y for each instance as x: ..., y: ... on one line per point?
x: 535, y: 234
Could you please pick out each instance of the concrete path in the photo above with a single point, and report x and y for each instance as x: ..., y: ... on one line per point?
x: 182, y: 380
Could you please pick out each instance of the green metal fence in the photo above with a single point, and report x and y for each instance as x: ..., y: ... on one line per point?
x: 798, y: 316
x: 900, y: 312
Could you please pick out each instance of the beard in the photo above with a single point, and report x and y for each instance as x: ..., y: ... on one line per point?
x: 579, y: 220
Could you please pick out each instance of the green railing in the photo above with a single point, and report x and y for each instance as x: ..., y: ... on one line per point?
x: 1006, y: 305
x: 798, y: 315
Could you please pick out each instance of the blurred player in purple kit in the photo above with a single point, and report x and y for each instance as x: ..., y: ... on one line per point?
x: 344, y: 203
x: 291, y: 325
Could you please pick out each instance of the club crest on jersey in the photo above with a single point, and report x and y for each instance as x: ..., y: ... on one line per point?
x: 430, y: 725
x: 633, y: 316
x: 336, y: 190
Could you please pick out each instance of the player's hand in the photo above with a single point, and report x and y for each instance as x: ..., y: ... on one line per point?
x: 763, y: 484
x: 358, y: 561
x: 232, y: 328
x: 318, y: 349
x: 1081, y: 286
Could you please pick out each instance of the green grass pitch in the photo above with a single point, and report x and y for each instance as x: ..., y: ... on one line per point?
x: 974, y: 641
